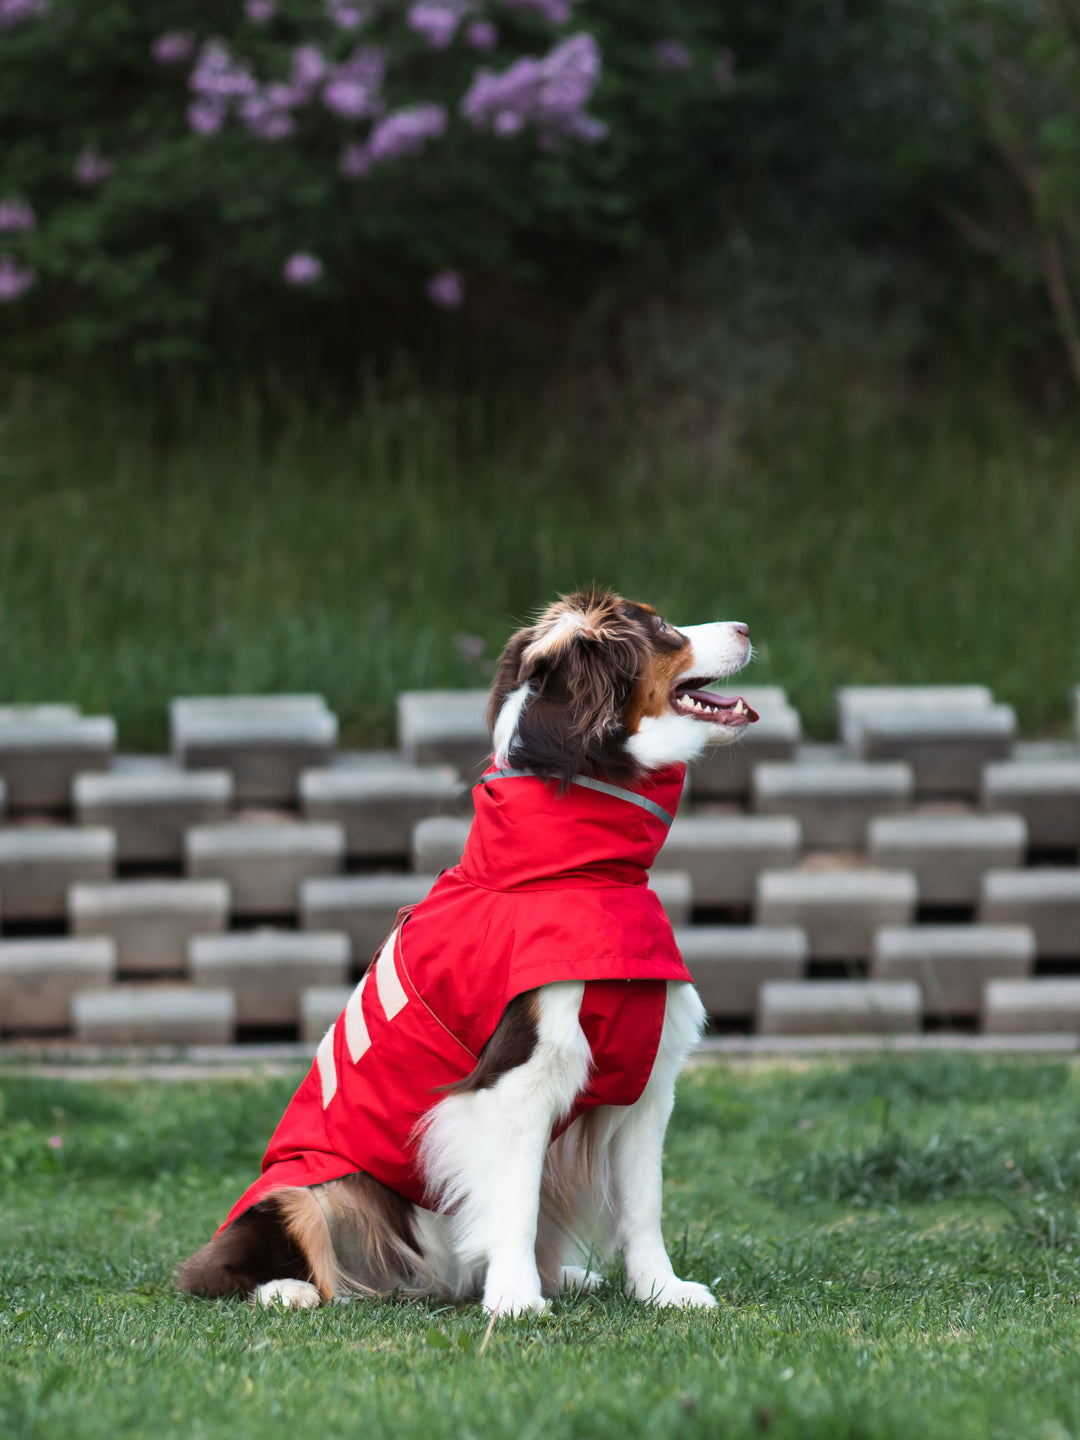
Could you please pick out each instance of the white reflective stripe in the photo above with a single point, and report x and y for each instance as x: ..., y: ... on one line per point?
x: 324, y: 1058
x: 391, y: 991
x: 356, y: 1032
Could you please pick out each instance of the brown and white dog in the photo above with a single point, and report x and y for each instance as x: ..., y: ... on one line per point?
x: 600, y: 693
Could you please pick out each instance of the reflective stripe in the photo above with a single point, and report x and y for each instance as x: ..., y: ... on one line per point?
x: 392, y: 993
x: 324, y: 1058
x: 588, y: 784
x: 356, y: 1032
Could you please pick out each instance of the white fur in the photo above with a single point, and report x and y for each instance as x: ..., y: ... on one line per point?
x: 507, y: 723
x: 670, y: 739
x: 290, y: 1294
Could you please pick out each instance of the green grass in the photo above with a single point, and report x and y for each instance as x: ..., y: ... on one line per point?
x: 264, y: 541
x: 895, y: 1245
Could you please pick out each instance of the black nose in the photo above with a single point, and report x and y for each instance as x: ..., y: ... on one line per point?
x: 740, y: 628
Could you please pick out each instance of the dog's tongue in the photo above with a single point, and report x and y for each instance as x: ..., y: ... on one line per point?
x: 723, y: 702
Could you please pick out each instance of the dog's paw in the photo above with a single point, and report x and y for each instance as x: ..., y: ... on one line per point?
x: 675, y: 1294
x: 291, y: 1294
x: 508, y: 1304
x: 577, y: 1277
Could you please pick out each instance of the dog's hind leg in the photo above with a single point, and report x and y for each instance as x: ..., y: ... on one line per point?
x: 483, y: 1153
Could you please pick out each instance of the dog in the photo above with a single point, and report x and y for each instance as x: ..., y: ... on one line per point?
x: 499, y: 1085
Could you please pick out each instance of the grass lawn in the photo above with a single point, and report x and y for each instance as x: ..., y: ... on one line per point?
x: 895, y: 1244
x: 260, y: 541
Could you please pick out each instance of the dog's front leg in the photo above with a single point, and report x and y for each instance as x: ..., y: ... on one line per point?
x: 483, y: 1153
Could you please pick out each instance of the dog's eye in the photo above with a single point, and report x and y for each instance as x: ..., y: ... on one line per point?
x: 662, y: 625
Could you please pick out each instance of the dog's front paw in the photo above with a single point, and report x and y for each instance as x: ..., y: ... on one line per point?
x: 291, y: 1294
x: 675, y: 1294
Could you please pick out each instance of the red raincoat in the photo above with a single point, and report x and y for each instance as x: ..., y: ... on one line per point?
x: 550, y: 887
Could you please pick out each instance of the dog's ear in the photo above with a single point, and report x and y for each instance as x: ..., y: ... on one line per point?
x: 508, y: 673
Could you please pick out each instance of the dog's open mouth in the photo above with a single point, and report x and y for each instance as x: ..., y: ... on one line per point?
x: 689, y: 698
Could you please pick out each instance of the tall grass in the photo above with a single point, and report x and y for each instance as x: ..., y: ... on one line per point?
x: 258, y: 539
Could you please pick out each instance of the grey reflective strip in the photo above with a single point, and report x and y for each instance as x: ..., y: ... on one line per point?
x: 588, y: 784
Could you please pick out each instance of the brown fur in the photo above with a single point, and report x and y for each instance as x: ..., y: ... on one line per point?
x: 512, y: 1043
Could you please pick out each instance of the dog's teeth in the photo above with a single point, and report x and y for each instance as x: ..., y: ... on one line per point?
x: 740, y: 708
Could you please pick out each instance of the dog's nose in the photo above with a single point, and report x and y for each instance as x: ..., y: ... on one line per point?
x: 740, y: 628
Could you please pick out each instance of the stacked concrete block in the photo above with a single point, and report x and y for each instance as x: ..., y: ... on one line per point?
x: 264, y: 741
x: 155, y: 1015
x: 151, y: 805
x: 730, y: 963
x: 834, y: 803
x: 268, y: 970
x: 945, y: 733
x: 948, y: 854
x: 40, y: 978
x: 1048, y: 900
x: 380, y: 808
x: 725, y: 771
x: 838, y: 1007
x: 1045, y: 1004
x: 264, y: 865
x: 3, y: 799
x: 320, y: 1007
x: 438, y: 843
x: 1046, y: 794
x: 675, y: 891
x: 150, y: 921
x: 361, y: 906
x: 952, y: 964
x: 840, y: 910
x: 37, y: 865
x: 43, y: 748
x: 725, y: 854
x: 445, y: 727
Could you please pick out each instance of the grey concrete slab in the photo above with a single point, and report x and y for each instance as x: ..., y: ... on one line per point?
x: 1046, y: 899
x: 438, y: 842
x: 154, y: 1015
x: 264, y: 865
x: 1045, y: 1003
x: 724, y: 771
x: 3, y: 800
x: 320, y: 1006
x: 951, y: 964
x: 43, y: 748
x: 833, y: 803
x: 816, y: 1007
x: 730, y: 963
x: 946, y: 749
x: 675, y: 891
x: 362, y: 906
x: 150, y: 921
x: 839, y: 909
x: 268, y: 970
x: 445, y: 727
x: 150, y: 808
x: 1045, y: 793
x: 855, y: 702
x: 38, y: 979
x: 378, y: 809
x: 264, y: 741
x: 947, y: 854
x: 724, y: 854
x: 38, y: 864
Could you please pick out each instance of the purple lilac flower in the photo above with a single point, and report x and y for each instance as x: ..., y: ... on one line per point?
x: 206, y: 116
x: 302, y: 269
x: 347, y: 15
x: 173, y: 47
x: 14, y: 12
x: 218, y: 76
x: 266, y: 113
x: 446, y: 289
x: 355, y: 162
x: 309, y: 69
x: 17, y: 215
x: 555, y: 12
x: 91, y: 166
x: 672, y: 55
x: 15, y: 278
x: 349, y: 98
x: 260, y: 11
x: 482, y: 35
x: 550, y: 93
x: 406, y: 132
x: 436, y: 20
x: 723, y: 70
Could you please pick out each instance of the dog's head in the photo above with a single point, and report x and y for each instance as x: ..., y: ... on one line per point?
x: 605, y: 686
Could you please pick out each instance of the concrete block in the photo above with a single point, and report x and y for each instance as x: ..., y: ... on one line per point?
x: 363, y: 906
x: 379, y: 808
x: 3, y: 799
x: 150, y: 808
x: 1045, y: 1004
x: 724, y: 771
x: 320, y: 1007
x: 1046, y: 899
x: 155, y: 1015
x: 150, y: 921
x: 730, y: 963
x: 265, y: 741
x: 1045, y: 794
x: 675, y: 891
x: 855, y: 702
x: 264, y: 865
x: 946, y: 749
x: 445, y: 727
x: 37, y: 865
x: 839, y: 909
x: 947, y: 854
x: 43, y: 748
x: 267, y: 970
x: 833, y: 803
x: 839, y: 1007
x: 438, y: 843
x: 38, y: 979
x: 952, y: 963
x: 724, y: 854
